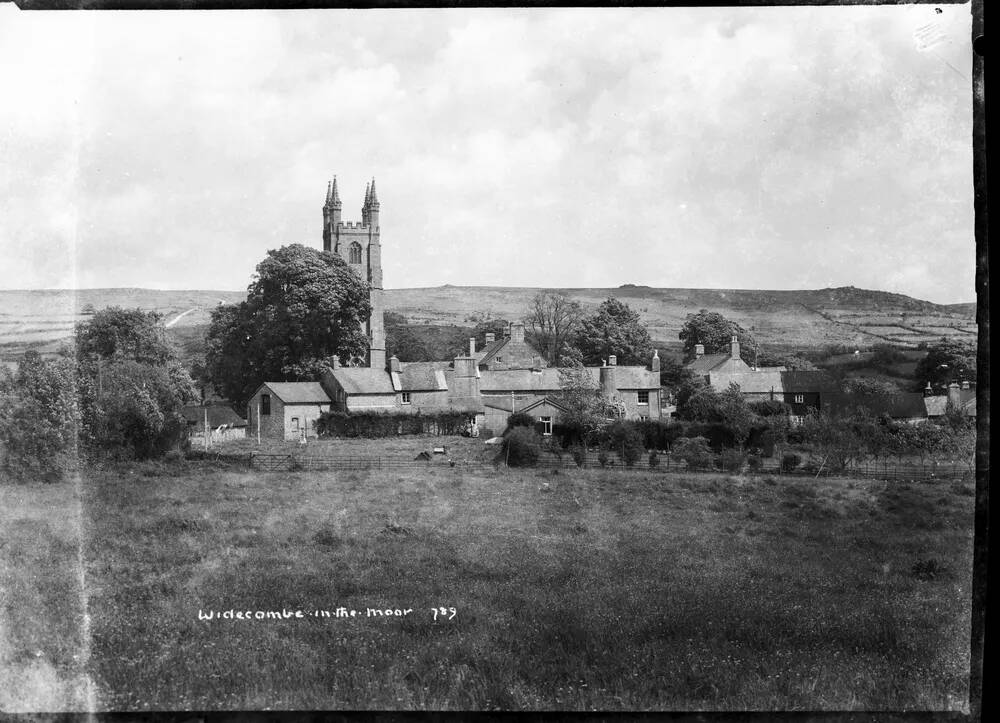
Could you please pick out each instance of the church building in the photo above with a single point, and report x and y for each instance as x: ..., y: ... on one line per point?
x: 507, y: 376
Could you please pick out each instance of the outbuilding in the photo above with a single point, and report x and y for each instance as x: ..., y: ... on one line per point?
x: 286, y: 410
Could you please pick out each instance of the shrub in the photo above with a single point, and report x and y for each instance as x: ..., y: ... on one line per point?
x: 603, y: 457
x: 755, y: 463
x: 579, y: 456
x: 520, y: 419
x: 694, y: 451
x: 373, y: 425
x: 654, y: 460
x: 625, y: 439
x: 522, y: 447
x: 790, y: 461
x: 731, y: 460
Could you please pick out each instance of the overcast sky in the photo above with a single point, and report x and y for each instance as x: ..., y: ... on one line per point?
x: 794, y: 147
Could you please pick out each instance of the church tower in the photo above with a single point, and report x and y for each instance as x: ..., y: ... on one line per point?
x: 359, y: 245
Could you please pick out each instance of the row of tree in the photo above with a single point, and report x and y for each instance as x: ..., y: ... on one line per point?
x: 116, y: 393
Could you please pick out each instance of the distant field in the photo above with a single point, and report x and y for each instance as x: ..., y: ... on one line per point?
x: 781, y: 320
x: 596, y: 590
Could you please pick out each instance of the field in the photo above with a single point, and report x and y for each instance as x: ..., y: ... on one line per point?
x: 782, y: 321
x: 597, y: 590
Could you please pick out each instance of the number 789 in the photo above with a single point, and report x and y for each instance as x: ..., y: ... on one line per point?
x: 445, y: 613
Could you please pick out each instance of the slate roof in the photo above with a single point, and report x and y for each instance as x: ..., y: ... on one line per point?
x: 707, y: 362
x: 751, y: 382
x: 218, y: 414
x: 423, y: 376
x: 490, y: 349
x: 299, y: 392
x: 363, y: 380
x: 547, y: 379
x: 936, y: 406
x: 798, y: 381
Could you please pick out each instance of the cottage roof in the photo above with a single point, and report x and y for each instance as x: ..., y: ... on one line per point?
x: 707, y: 362
x: 298, y: 392
x: 491, y: 349
x: 218, y: 414
x: 750, y: 382
x: 936, y: 406
x: 363, y: 380
x: 424, y: 376
x: 547, y: 379
x: 804, y: 381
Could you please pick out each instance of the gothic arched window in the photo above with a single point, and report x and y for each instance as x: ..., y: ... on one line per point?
x: 355, y: 253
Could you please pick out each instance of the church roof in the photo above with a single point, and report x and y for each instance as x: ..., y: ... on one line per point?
x: 299, y: 392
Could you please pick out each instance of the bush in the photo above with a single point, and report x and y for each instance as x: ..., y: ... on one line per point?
x: 374, y: 425
x: 654, y: 460
x: 625, y: 439
x: 790, y: 461
x: 732, y: 460
x: 579, y: 456
x: 755, y: 463
x: 520, y: 419
x: 603, y: 457
x: 694, y: 451
x: 522, y: 447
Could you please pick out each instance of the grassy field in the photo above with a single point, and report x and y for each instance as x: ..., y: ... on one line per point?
x: 597, y: 590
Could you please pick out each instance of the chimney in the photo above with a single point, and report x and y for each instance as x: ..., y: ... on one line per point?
x: 517, y: 332
x: 336, y: 361
x: 472, y: 346
x: 394, y: 364
x: 954, y: 396
x: 490, y: 338
x: 734, y: 348
x: 965, y: 384
x: 699, y: 351
x: 654, y: 366
x: 612, y: 361
x: 928, y: 392
x: 608, y: 380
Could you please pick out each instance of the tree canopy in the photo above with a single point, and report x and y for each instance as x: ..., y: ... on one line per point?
x: 303, y: 307
x: 614, y: 329
x: 552, y: 322
x: 715, y: 332
x: 947, y: 361
x: 117, y: 333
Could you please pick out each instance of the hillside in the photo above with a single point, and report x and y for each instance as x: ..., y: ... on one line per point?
x: 780, y: 319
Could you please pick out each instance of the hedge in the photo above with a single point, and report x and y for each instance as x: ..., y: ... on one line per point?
x: 373, y: 425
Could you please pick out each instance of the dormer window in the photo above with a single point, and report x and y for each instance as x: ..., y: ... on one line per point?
x: 355, y: 253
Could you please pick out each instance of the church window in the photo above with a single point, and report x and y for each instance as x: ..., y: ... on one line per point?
x: 644, y: 396
x: 355, y: 253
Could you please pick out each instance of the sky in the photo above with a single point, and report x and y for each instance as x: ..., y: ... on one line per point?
x: 770, y: 148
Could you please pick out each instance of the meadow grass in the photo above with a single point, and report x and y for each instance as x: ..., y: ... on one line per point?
x: 587, y: 590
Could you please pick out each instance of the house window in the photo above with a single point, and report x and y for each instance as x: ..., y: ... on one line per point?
x: 265, y: 404
x: 355, y: 253
x: 499, y: 359
x: 546, y: 425
x: 644, y: 396
x: 295, y: 424
x: 406, y: 397
x: 800, y: 398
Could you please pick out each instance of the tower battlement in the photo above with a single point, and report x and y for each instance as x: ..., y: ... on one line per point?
x: 358, y: 244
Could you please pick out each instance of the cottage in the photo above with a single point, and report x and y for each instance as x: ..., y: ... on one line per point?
x: 287, y: 410
x: 221, y: 422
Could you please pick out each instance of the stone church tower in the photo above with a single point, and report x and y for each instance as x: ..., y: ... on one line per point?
x: 358, y: 244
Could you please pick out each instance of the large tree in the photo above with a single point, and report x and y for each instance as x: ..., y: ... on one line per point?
x: 614, y: 329
x: 947, y: 361
x: 715, y: 332
x: 303, y: 307
x: 552, y: 322
x: 131, y: 385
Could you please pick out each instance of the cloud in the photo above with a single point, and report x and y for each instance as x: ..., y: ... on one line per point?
x: 564, y: 147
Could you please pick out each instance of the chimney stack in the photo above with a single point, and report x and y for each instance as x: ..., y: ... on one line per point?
x: 608, y: 379
x: 612, y: 360
x: 517, y: 332
x: 654, y: 366
x: 699, y: 351
x: 336, y: 361
x: 490, y: 338
x: 472, y: 346
x: 954, y: 396
x: 734, y: 348
x: 965, y: 384
x: 928, y: 392
x: 394, y: 364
